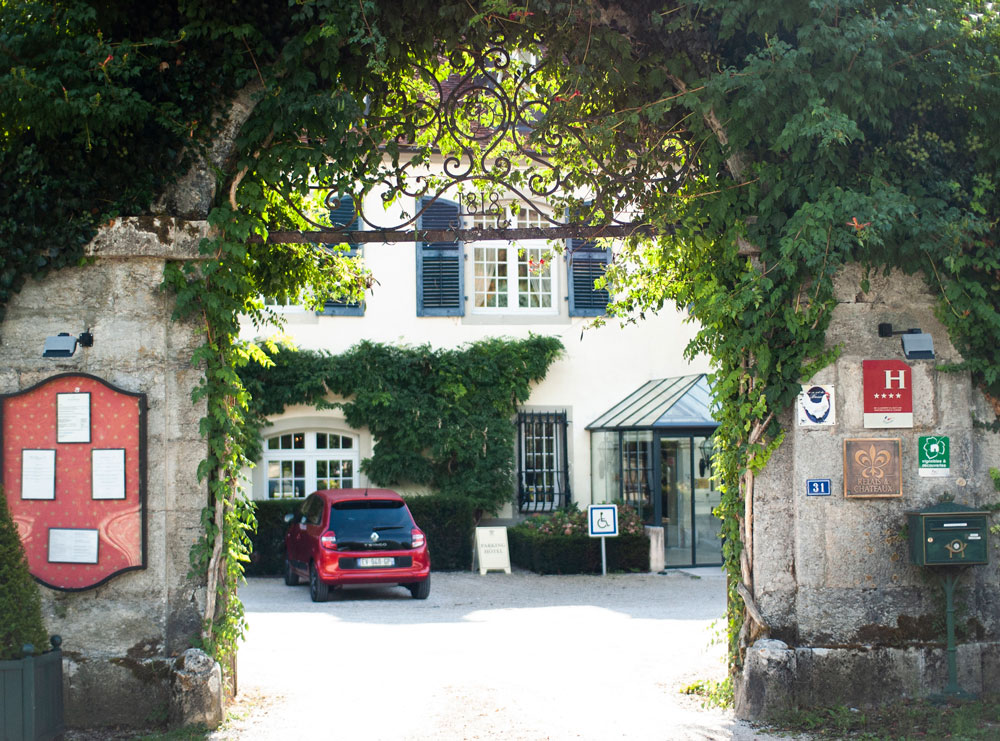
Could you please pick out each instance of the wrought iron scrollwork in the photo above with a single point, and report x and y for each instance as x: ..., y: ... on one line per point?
x: 494, y: 119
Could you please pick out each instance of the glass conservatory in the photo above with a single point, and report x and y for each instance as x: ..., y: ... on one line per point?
x: 653, y: 452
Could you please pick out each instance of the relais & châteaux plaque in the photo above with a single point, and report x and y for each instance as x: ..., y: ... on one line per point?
x: 872, y: 468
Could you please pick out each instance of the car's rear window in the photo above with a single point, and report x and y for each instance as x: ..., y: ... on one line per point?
x: 369, y: 515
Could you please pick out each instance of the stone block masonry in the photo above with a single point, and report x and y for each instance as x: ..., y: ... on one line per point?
x: 851, y: 620
x: 122, y: 639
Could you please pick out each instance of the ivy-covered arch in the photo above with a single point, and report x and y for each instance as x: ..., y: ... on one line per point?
x: 817, y: 134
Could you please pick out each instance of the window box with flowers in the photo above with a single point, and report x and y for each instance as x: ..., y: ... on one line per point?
x: 558, y: 543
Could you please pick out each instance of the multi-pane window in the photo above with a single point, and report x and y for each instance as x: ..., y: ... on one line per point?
x: 286, y: 479
x: 335, y: 474
x: 291, y: 441
x: 543, y: 480
x: 637, y: 471
x: 345, y: 215
x: 526, y: 217
x: 301, y: 462
x: 513, y: 276
x: 283, y: 305
x: 326, y: 441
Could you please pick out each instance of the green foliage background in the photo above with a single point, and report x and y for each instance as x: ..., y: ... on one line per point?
x: 440, y: 418
x: 810, y: 134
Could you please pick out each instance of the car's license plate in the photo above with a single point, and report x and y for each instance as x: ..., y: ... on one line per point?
x: 368, y: 563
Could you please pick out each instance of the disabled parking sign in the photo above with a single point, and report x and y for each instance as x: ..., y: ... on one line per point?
x: 603, y: 520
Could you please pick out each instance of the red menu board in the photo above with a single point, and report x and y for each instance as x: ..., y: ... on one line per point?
x: 888, y: 390
x: 73, y: 456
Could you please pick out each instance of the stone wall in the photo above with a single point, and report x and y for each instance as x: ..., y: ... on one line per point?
x: 120, y: 639
x: 851, y: 619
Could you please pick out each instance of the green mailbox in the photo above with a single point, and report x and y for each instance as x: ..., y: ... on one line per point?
x: 948, y: 534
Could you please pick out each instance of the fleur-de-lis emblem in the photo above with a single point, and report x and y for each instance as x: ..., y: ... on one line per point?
x: 873, y: 462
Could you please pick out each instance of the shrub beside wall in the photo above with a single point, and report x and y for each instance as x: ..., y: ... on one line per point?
x: 450, y: 526
x: 20, y: 604
x: 268, y: 555
x: 559, y: 544
x: 447, y: 521
x: 576, y: 554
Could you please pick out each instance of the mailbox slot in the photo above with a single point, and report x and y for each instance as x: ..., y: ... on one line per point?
x: 948, y: 535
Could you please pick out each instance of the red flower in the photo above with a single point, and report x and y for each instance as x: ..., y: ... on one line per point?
x: 561, y: 99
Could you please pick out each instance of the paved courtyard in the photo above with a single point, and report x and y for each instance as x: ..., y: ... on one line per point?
x: 517, y: 656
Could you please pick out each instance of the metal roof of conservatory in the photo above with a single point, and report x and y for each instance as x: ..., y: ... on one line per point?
x: 663, y: 404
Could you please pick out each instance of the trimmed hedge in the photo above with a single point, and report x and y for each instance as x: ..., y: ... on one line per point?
x: 267, y: 554
x: 450, y: 526
x: 575, y: 554
x: 448, y: 523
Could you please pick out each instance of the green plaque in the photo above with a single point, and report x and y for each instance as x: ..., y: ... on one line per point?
x: 934, y: 455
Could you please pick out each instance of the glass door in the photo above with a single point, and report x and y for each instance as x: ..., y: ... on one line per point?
x: 676, y: 501
x: 707, y: 527
x: 687, y: 497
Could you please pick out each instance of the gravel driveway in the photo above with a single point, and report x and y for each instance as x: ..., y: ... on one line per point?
x: 516, y: 656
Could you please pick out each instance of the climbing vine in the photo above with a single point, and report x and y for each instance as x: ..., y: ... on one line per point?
x: 832, y: 133
x: 441, y: 418
x: 817, y: 134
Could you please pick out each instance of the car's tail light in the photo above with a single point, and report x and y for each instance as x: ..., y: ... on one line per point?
x: 418, y: 538
x: 329, y: 540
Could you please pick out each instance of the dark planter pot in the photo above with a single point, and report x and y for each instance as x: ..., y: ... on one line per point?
x: 31, y: 696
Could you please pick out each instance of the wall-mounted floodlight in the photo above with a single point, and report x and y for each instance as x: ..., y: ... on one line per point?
x: 917, y: 345
x: 63, y: 345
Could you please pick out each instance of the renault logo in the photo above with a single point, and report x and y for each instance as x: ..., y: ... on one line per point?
x: 374, y: 537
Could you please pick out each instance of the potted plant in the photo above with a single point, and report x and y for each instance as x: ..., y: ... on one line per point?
x: 31, y: 700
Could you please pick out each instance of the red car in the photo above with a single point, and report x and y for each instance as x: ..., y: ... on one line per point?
x: 356, y: 536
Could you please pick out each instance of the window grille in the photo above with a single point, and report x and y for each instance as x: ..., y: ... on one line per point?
x: 637, y: 471
x: 542, y: 462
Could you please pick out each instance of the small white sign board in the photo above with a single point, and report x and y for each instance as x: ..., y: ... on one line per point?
x: 492, y: 552
x: 603, y: 519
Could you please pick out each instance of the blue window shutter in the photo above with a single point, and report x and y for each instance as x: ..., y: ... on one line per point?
x: 585, y: 263
x: 440, y: 265
x: 345, y: 215
x: 584, y: 267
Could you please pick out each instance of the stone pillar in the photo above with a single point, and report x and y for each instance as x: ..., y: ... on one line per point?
x: 120, y: 637
x: 657, y: 554
x: 832, y: 575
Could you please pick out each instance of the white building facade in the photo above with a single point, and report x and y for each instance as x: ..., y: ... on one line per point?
x: 450, y: 294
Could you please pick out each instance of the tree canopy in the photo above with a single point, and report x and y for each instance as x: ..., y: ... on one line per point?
x: 803, y: 136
